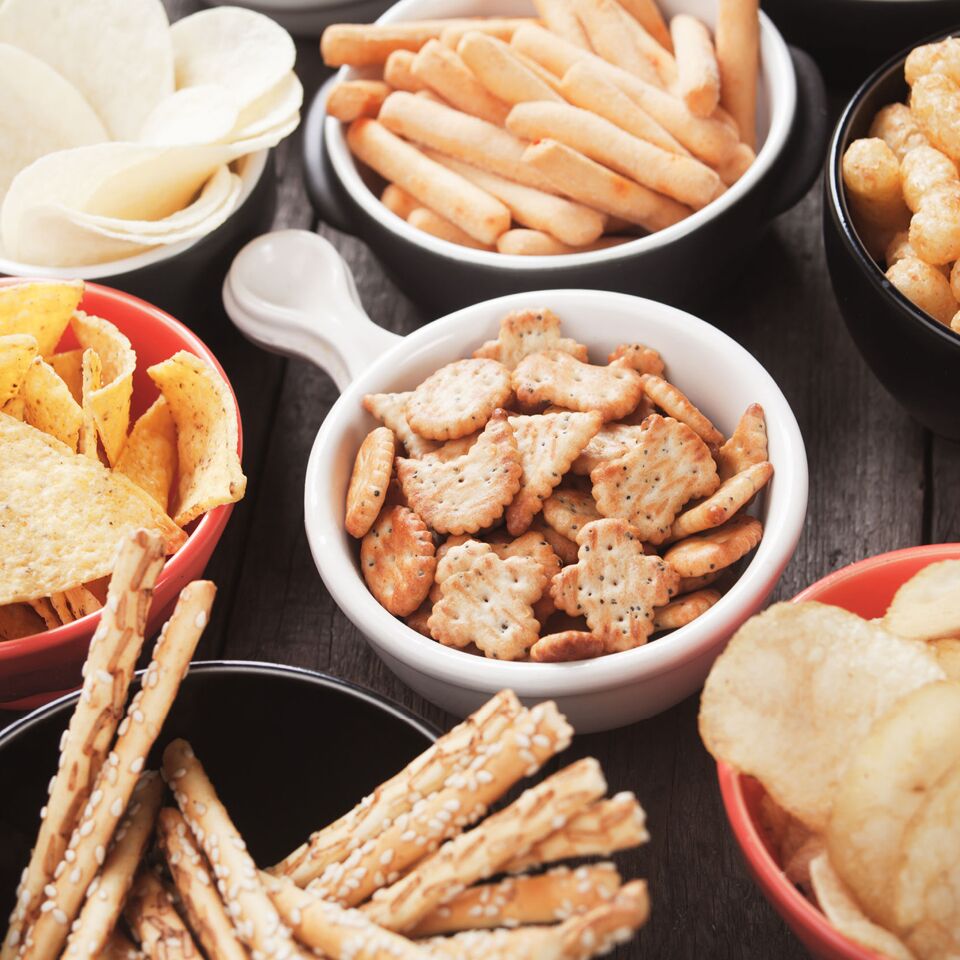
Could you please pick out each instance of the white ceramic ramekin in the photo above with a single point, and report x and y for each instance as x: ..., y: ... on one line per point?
x: 291, y: 292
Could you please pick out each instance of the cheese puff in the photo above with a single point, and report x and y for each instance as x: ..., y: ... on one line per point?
x: 871, y: 175
x: 925, y: 286
x: 935, y: 227
x: 935, y: 102
x: 898, y: 129
x: 922, y: 169
x: 942, y: 57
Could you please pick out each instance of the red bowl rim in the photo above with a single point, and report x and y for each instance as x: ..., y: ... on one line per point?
x: 773, y: 882
x: 211, y: 524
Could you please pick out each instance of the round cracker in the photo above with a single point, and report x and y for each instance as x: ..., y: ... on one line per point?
x: 369, y: 481
x: 458, y: 399
x: 716, y: 549
x: 398, y: 562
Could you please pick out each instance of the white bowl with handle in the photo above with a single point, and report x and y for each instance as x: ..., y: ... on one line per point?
x: 291, y: 292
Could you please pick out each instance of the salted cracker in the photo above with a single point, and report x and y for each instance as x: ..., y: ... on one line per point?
x: 685, y: 609
x: 610, y: 442
x: 638, y: 357
x: 729, y: 497
x: 397, y: 560
x: 715, y: 549
x: 390, y: 410
x: 747, y: 444
x: 567, y: 645
x: 563, y: 547
x: 674, y: 403
x: 369, y: 481
x: 529, y: 331
x: 568, y: 511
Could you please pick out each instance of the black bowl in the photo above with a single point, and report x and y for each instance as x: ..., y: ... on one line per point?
x: 916, y: 358
x: 713, y: 253
x: 288, y: 751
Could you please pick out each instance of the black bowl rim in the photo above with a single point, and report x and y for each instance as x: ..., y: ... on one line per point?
x: 838, y: 200
x: 22, y: 726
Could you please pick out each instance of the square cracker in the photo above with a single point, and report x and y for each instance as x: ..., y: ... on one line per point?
x: 529, y: 331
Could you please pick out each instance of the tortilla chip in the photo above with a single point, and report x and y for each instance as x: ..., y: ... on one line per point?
x: 207, y: 435
x: 69, y: 367
x: 62, y: 515
x: 49, y: 406
x: 19, y: 620
x: 17, y: 351
x: 42, y: 308
x: 43, y: 608
x: 149, y: 457
x: 92, y: 374
x: 110, y: 404
x: 13, y: 407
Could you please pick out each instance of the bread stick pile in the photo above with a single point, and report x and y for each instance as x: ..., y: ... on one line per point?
x: 903, y: 185
x: 131, y: 864
x: 576, y: 131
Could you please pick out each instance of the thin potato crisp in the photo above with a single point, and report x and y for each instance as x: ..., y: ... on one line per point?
x: 63, y: 531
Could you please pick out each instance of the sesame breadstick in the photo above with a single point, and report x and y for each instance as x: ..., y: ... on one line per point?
x: 337, y: 932
x: 254, y: 917
x: 529, y: 740
x: 515, y: 901
x: 113, y: 652
x: 602, y: 829
x: 193, y: 879
x: 420, y: 778
x: 118, y: 776
x: 155, y: 922
x: 103, y: 906
x: 483, y: 851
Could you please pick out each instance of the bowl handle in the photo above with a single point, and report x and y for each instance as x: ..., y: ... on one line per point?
x: 291, y: 292
x: 805, y: 147
x: 320, y: 180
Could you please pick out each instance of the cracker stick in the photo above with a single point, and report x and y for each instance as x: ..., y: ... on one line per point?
x: 483, y: 851
x: 254, y: 916
x: 456, y: 199
x: 194, y: 882
x: 683, y: 178
x: 603, y: 828
x: 738, y: 55
x: 707, y: 138
x: 442, y: 70
x: 586, y: 86
x: 559, y: 17
x: 118, y: 776
x: 154, y: 921
x: 398, y: 72
x: 529, y: 740
x: 362, y: 45
x: 498, y: 68
x: 337, y: 932
x: 104, y: 904
x: 502, y: 28
x: 698, y: 74
x: 357, y: 98
x: 736, y: 165
x: 113, y: 652
x: 571, y: 223
x: 590, y: 183
x: 648, y: 15
x: 432, y: 223
x: 458, y: 135
x: 546, y: 898
x: 398, y: 201
x: 453, y: 753
x: 535, y: 243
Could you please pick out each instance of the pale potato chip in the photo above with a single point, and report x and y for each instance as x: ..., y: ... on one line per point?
x: 19, y: 620
x: 927, y: 606
x: 271, y: 109
x: 927, y: 882
x: 795, y: 692
x: 846, y: 916
x: 49, y: 406
x: 890, y: 772
x: 110, y: 404
x: 149, y: 457
x: 68, y: 365
x: 747, y: 444
x: 62, y: 515
x: 117, y: 53
x: 390, y: 410
x: 948, y: 655
x: 207, y: 435
x: 17, y: 351
x: 398, y: 561
x: 92, y: 380
x: 42, y: 308
x: 529, y: 331
x: 205, y: 113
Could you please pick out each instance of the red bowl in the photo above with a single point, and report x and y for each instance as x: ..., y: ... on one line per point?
x: 35, y: 669
x: 865, y: 588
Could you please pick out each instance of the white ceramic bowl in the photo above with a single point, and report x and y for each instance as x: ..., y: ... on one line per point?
x: 291, y: 292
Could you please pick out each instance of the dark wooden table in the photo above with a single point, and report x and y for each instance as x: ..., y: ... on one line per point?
x: 877, y: 482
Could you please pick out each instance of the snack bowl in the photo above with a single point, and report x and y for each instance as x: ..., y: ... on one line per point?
x: 290, y: 292
x: 916, y: 358
x: 717, y: 240
x: 247, y: 721
x: 865, y: 588
x: 37, y: 667
x: 309, y: 18
x: 181, y: 276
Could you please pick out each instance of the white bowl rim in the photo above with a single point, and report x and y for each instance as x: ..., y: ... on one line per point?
x: 781, y: 532
x: 253, y: 168
x: 777, y: 69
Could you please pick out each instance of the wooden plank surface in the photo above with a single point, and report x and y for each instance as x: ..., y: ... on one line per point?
x: 877, y: 482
